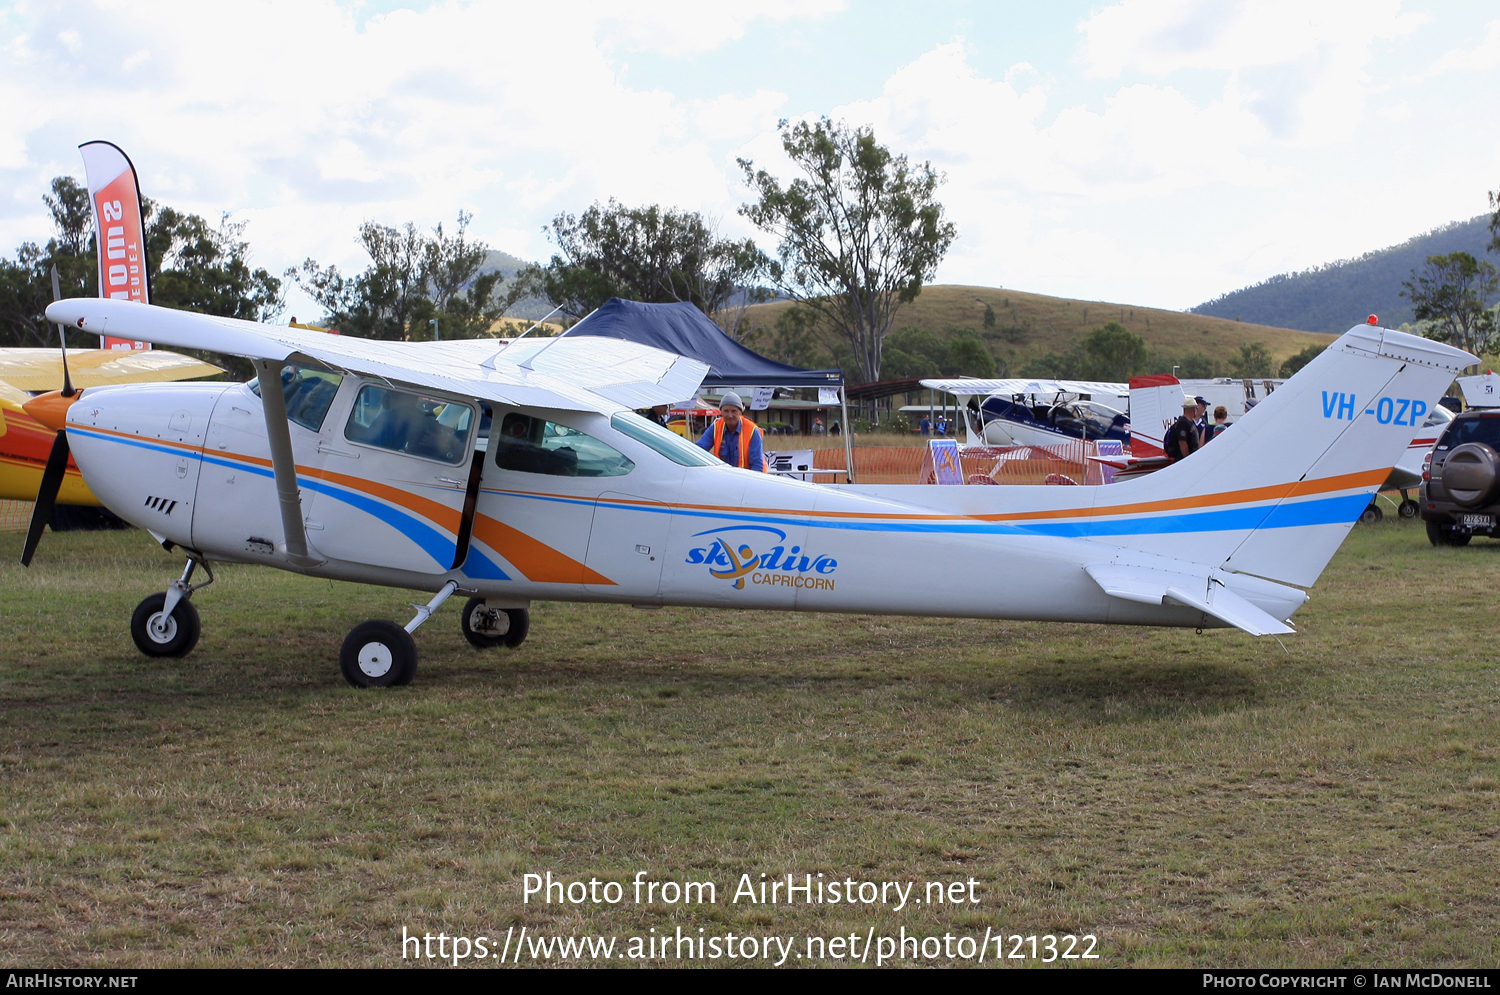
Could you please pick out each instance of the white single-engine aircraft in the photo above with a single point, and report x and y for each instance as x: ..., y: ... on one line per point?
x: 370, y: 464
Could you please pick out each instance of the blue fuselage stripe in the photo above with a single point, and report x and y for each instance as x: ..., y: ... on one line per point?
x: 432, y: 542
x: 1322, y: 511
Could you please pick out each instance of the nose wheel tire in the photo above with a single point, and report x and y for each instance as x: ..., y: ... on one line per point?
x: 171, y: 635
x: 378, y: 654
x: 486, y: 628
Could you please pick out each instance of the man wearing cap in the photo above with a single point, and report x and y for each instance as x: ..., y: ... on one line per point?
x: 1201, y: 419
x: 734, y: 438
x: 1182, y: 438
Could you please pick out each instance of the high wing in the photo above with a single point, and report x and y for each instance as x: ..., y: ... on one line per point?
x: 583, y: 374
x: 967, y: 386
x: 41, y: 369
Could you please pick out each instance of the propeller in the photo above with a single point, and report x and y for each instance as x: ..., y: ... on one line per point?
x: 47, y: 409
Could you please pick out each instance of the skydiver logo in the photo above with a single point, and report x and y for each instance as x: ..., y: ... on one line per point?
x: 730, y: 556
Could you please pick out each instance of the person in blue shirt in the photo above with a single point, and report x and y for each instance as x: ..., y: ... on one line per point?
x: 734, y: 438
x: 925, y: 426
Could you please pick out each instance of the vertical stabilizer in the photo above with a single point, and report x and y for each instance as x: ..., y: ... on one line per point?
x: 1276, y: 492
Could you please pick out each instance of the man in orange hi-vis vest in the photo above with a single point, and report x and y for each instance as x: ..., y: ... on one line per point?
x: 734, y: 438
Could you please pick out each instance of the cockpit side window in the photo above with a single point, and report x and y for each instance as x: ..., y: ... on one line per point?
x: 534, y: 445
x: 405, y: 422
x: 309, y: 394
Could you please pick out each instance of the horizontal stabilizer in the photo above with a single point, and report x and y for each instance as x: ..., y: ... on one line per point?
x: 1156, y: 587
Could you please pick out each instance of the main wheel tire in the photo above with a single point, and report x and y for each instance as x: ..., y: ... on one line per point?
x: 173, y: 636
x: 1410, y: 508
x: 1371, y: 514
x: 520, y: 624
x: 1446, y: 535
x: 378, y: 654
x: 484, y: 627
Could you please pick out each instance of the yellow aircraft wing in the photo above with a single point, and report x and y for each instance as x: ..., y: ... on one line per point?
x: 41, y: 369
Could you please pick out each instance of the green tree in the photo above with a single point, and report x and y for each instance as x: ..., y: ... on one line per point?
x: 193, y: 266
x: 1191, y: 366
x: 1113, y: 353
x: 794, y: 339
x: 1053, y: 366
x: 967, y: 355
x: 1295, y: 363
x: 989, y: 317
x: 652, y: 254
x: 1254, y: 360
x: 913, y: 352
x: 1494, y: 245
x: 1452, y: 293
x: 858, y: 233
x: 413, y: 278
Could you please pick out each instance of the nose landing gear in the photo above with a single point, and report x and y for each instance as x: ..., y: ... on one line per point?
x: 166, y: 624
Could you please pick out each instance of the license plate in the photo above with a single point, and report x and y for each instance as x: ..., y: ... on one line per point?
x: 1477, y: 521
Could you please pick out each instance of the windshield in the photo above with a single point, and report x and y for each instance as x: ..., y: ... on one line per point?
x: 671, y: 445
x: 309, y: 393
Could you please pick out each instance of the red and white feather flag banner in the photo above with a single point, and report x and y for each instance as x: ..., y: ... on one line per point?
x: 120, y: 230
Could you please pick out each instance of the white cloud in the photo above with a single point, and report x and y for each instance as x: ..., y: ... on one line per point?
x: 307, y: 120
x: 1301, y: 67
x: 1481, y: 58
x: 1207, y: 146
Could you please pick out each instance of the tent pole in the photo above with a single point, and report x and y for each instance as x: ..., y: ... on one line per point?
x: 845, y: 432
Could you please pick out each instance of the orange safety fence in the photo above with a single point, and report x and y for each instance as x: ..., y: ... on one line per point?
x: 1065, y: 463
x: 15, y: 516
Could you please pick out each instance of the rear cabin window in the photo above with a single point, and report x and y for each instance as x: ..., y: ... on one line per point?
x: 405, y: 422
x: 1485, y: 428
x: 534, y: 445
x: 309, y: 394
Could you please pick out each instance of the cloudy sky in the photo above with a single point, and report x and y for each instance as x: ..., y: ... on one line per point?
x: 1155, y: 152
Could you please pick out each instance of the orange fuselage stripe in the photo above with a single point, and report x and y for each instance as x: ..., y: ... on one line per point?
x: 537, y: 560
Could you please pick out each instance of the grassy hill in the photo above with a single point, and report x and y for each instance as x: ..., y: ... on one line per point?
x: 1030, y: 326
x: 1328, y: 298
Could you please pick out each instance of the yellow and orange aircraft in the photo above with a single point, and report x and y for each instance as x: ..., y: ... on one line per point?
x: 25, y: 442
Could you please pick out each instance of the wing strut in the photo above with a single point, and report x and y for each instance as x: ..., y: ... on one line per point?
x: 471, y: 502
x: 288, y: 495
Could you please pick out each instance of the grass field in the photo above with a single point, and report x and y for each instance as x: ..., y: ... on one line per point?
x: 1191, y: 800
x: 1031, y: 325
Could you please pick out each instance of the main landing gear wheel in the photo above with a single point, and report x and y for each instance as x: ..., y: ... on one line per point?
x: 485, y: 627
x: 159, y: 634
x: 1371, y: 514
x: 378, y: 654
x: 1410, y: 508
